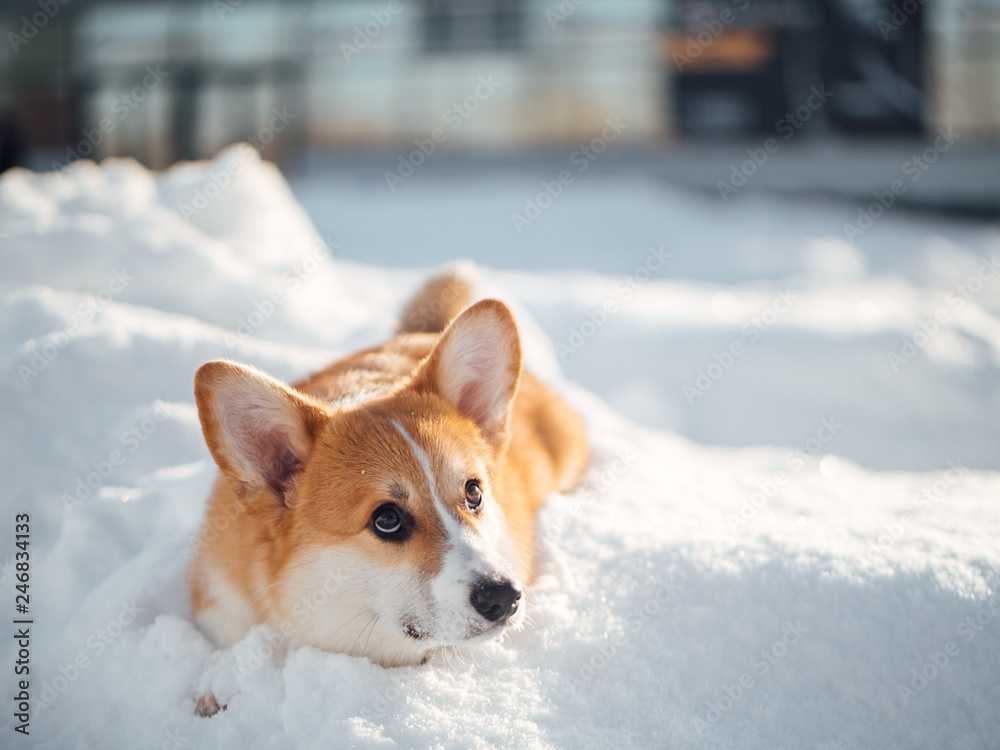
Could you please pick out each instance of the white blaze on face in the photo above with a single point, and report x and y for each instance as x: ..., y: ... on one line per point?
x: 470, y: 557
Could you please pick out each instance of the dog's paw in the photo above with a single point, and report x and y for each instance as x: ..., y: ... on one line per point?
x: 208, y: 706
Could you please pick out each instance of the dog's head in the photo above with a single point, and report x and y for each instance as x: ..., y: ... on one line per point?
x: 385, y: 531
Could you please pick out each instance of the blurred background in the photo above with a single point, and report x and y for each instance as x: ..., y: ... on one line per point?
x: 179, y: 80
x: 344, y: 85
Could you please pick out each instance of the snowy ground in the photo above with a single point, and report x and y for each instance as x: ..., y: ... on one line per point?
x: 797, y: 549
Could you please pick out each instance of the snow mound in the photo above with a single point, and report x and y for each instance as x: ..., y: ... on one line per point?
x: 691, y: 596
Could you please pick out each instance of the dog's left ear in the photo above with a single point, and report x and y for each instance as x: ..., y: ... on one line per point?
x: 476, y: 366
x: 260, y: 432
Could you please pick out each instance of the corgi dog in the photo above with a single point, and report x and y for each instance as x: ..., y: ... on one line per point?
x: 385, y: 506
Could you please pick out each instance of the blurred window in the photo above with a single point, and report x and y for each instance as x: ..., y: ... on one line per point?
x: 462, y: 25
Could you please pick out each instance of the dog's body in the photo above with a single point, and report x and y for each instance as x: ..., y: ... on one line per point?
x: 385, y: 506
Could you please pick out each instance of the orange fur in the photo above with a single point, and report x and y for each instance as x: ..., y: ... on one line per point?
x: 303, y: 468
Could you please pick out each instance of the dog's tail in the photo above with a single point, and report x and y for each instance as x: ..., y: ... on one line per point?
x: 439, y: 301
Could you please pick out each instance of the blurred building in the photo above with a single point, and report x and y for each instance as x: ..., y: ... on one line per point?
x: 788, y: 65
x: 168, y: 80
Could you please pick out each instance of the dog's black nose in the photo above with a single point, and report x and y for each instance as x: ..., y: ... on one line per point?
x: 495, y: 601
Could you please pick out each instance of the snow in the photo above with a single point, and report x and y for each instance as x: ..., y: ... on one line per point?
x: 769, y: 564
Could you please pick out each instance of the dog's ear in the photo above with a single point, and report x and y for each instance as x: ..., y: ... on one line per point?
x: 260, y: 432
x: 476, y: 366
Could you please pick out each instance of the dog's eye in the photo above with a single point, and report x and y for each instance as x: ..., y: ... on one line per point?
x: 387, y: 521
x: 473, y: 494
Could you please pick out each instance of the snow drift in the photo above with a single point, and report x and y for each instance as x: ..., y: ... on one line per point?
x: 691, y: 596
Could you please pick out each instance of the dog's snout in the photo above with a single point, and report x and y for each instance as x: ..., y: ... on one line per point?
x: 496, y: 601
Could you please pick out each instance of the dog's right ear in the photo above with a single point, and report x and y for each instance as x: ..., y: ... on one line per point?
x: 260, y: 432
x: 476, y: 367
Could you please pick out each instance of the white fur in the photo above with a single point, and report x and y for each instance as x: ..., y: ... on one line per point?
x: 340, y: 601
x: 227, y: 619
